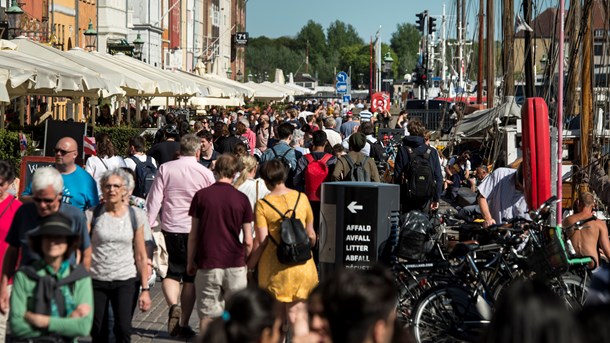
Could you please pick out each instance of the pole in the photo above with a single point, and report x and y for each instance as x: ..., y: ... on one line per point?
x: 371, y: 68
x: 480, y: 66
x: 529, y: 60
x: 444, y: 48
x: 490, y: 54
x: 507, y: 52
x: 560, y: 111
x: 587, y: 94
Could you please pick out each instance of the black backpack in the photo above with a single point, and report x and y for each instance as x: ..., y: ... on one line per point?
x: 357, y: 170
x: 48, y: 288
x: 294, y: 246
x: 377, y: 152
x: 419, y: 176
x: 145, y: 175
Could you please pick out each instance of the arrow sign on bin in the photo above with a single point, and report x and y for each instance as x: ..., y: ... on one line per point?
x: 352, y: 207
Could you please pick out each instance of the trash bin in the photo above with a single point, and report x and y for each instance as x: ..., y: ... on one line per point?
x: 355, y: 220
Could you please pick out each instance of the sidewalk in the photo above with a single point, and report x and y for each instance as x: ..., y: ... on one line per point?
x: 151, y: 326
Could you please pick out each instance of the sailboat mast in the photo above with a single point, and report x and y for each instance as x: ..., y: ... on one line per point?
x: 560, y: 112
x: 481, y: 40
x: 490, y: 55
x: 586, y: 90
x: 529, y: 51
x: 507, y: 50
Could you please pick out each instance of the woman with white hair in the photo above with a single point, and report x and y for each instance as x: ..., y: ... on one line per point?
x: 298, y: 140
x: 119, y: 252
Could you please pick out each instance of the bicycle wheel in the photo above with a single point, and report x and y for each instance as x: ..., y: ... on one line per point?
x: 446, y: 314
x: 409, y: 291
x: 572, y: 289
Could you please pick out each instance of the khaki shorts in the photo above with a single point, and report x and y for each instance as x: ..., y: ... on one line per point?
x: 214, y: 286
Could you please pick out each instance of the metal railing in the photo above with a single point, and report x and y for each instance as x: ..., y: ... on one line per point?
x: 431, y: 119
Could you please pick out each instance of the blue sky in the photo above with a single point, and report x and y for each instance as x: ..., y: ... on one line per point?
x: 276, y: 18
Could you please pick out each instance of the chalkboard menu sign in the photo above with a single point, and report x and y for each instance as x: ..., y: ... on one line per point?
x: 56, y: 130
x: 29, y: 164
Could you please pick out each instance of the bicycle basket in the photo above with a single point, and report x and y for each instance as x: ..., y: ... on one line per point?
x: 417, y: 236
x: 550, y: 258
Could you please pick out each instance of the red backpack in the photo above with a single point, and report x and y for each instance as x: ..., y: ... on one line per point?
x: 316, y: 173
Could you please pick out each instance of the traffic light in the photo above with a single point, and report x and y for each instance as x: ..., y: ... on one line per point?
x: 431, y: 25
x: 421, y: 21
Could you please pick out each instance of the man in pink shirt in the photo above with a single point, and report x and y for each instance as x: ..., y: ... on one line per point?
x: 171, y: 194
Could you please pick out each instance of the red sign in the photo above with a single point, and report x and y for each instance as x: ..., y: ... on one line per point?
x: 380, y: 100
x: 174, y: 25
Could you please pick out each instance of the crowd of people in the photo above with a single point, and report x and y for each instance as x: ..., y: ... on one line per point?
x: 218, y: 194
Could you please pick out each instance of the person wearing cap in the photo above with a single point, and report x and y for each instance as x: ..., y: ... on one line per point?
x: 357, y: 142
x: 65, y: 316
x: 47, y: 186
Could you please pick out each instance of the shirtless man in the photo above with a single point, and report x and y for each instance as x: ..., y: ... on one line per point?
x: 593, y: 235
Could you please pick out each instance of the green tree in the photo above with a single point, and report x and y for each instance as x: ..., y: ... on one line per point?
x: 357, y: 57
x: 312, y: 36
x: 340, y: 35
x: 405, y: 42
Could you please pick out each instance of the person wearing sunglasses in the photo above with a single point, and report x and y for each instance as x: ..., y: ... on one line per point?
x: 47, y: 186
x: 80, y: 189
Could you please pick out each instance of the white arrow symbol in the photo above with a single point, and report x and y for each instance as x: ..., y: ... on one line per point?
x: 352, y: 207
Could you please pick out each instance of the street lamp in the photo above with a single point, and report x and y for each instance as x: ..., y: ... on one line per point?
x: 137, y: 47
x: 90, y: 37
x: 14, y: 14
x: 388, y: 61
x: 250, y: 76
x: 240, y: 76
x: 266, y: 76
x: 229, y: 72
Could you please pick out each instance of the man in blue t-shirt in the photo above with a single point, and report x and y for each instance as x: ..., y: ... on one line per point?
x: 47, y: 193
x: 80, y: 189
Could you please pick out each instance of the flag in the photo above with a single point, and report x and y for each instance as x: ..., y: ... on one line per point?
x: 89, y: 146
x: 23, y: 142
x: 520, y: 25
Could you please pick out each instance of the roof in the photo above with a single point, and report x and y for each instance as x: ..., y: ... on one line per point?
x: 302, y: 77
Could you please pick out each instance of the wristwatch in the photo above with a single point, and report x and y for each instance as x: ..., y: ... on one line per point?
x: 145, y: 289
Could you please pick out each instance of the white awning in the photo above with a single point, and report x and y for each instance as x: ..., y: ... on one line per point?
x: 264, y: 93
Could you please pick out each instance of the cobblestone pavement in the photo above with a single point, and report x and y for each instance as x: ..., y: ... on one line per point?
x: 151, y: 326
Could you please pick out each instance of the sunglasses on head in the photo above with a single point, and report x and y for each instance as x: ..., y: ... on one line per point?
x: 62, y: 151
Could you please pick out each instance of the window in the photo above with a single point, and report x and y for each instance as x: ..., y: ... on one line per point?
x: 598, y: 50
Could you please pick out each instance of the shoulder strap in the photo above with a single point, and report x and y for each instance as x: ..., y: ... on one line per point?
x: 136, y: 160
x: 427, y: 153
x: 97, y: 212
x: 349, y: 160
x: 133, y: 219
x: 104, y: 163
x: 286, y: 153
x: 366, y: 158
x: 7, y: 206
x: 326, y: 158
x: 275, y: 155
x: 309, y: 158
x: 295, y: 205
x: 283, y: 216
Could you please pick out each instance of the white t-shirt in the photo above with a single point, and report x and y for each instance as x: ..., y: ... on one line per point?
x: 333, y: 137
x: 97, y: 166
x: 142, y: 157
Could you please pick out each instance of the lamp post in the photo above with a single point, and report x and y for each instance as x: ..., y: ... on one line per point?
x: 14, y: 14
x: 90, y: 37
x: 250, y: 76
x: 137, y: 47
x: 240, y: 76
x: 229, y: 72
x: 388, y: 61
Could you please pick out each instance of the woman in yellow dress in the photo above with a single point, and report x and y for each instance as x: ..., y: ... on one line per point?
x: 289, y: 284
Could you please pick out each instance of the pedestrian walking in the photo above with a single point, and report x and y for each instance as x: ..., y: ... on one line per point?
x: 216, y: 256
